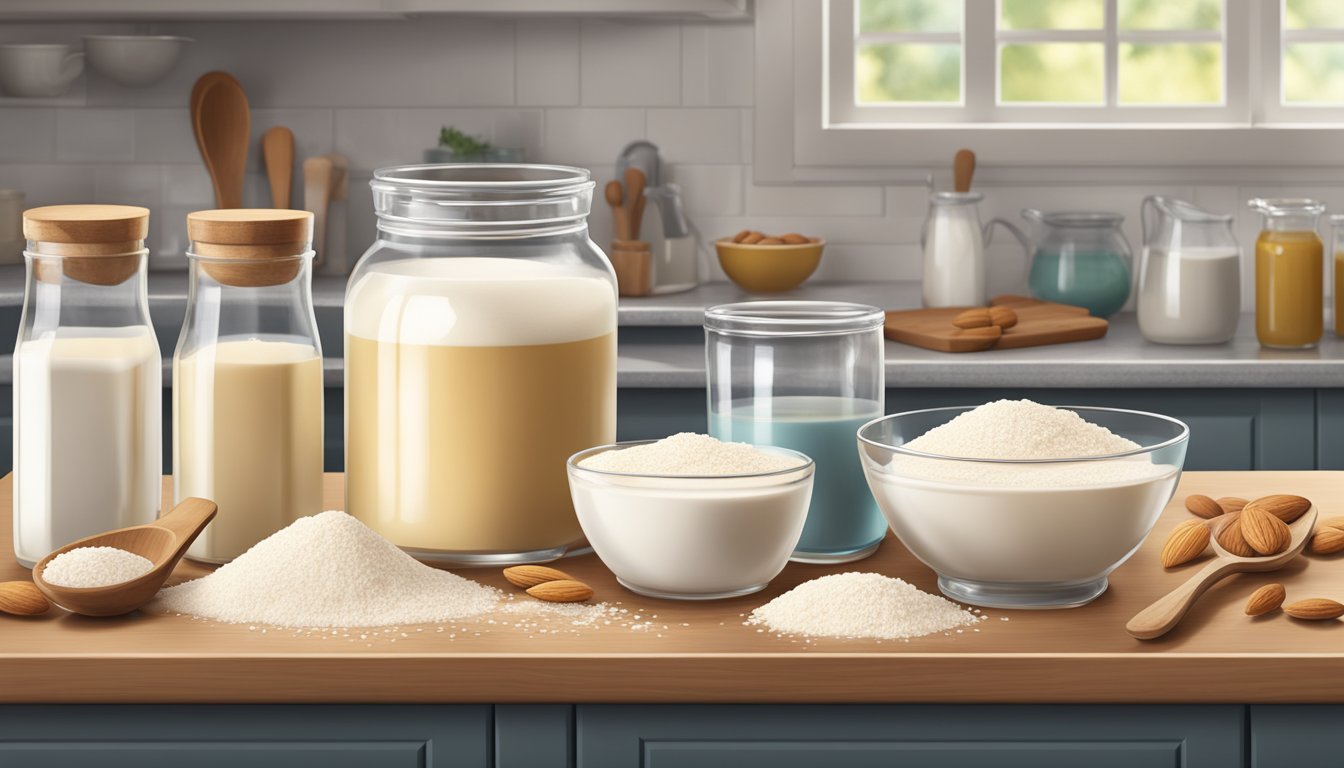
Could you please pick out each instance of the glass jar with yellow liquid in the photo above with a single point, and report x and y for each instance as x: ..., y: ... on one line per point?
x: 1289, y: 274
x: 1337, y: 258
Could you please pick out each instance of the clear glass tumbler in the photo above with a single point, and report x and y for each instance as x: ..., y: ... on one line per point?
x: 804, y: 375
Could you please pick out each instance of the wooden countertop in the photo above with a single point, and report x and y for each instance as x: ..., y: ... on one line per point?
x: 701, y: 652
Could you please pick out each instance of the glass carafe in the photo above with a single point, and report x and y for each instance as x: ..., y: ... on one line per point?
x: 954, y: 249
x: 88, y: 380
x: 1081, y: 258
x: 1189, y: 274
x: 480, y: 354
x: 1289, y: 273
x: 247, y: 378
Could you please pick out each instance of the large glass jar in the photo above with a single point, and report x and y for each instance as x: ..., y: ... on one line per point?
x: 1289, y: 274
x: 804, y: 375
x: 480, y: 353
x: 247, y: 378
x: 88, y: 380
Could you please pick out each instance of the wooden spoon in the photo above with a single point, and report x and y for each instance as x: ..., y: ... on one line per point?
x: 1160, y: 617
x: 616, y: 199
x: 277, y: 148
x: 222, y: 120
x: 634, y: 199
x: 963, y: 168
x: 162, y: 542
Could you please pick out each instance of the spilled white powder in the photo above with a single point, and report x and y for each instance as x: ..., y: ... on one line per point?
x: 85, y: 567
x: 328, y: 570
x: 687, y: 453
x: 860, y: 605
x: 1024, y: 430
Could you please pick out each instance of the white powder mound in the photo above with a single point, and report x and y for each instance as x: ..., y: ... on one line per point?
x: 86, y: 567
x: 857, y: 605
x: 328, y: 570
x: 690, y: 454
x: 1020, y: 429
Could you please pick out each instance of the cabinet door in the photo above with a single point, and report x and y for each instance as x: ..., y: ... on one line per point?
x: 1296, y: 736
x: 254, y: 736
x: 935, y: 736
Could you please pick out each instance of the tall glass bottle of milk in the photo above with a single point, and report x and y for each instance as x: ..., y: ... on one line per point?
x: 88, y: 383
x: 480, y: 354
x: 247, y: 378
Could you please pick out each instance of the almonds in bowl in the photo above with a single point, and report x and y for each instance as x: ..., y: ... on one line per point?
x: 761, y: 263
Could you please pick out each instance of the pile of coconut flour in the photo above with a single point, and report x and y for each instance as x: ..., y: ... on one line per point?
x: 687, y: 453
x: 860, y: 605
x: 328, y: 570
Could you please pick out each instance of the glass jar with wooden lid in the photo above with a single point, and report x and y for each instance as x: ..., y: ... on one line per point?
x: 247, y: 378
x: 88, y: 383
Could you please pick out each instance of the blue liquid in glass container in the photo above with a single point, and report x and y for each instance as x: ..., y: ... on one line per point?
x: 1096, y: 280
x: 843, y: 522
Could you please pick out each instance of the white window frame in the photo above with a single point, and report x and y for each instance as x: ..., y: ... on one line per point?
x: 798, y: 138
x: 1274, y: 36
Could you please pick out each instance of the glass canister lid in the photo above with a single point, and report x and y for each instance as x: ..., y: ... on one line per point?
x: 98, y: 244
x: 1287, y: 206
x: 250, y: 247
x: 1071, y: 219
x: 792, y: 318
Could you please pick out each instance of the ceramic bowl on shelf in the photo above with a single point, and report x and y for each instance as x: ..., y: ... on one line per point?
x: 135, y: 61
x: 687, y: 537
x: 38, y: 70
x: 768, y: 268
x: 1023, y: 533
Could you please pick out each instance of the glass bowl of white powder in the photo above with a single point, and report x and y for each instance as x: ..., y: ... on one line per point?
x: 1020, y: 505
x: 689, y: 517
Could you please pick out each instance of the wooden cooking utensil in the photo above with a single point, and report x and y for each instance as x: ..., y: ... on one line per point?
x: 277, y: 148
x: 162, y: 542
x: 319, y: 176
x: 1162, y: 616
x: 222, y: 121
x: 963, y: 168
x: 620, y: 221
x: 634, y: 199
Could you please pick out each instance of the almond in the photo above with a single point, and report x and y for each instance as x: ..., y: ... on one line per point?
x: 1331, y: 522
x: 1283, y: 506
x: 21, y: 598
x: 1326, y: 541
x: 1266, y: 533
x: 740, y: 236
x: 1315, y: 609
x: 1003, y: 317
x: 1186, y: 543
x: 1231, y: 539
x: 973, y: 318
x: 793, y: 238
x: 1265, y: 599
x: 770, y: 241
x: 562, y: 591
x: 526, y: 576
x: 988, y: 332
x: 1231, y: 503
x: 752, y: 238
x: 1202, y: 506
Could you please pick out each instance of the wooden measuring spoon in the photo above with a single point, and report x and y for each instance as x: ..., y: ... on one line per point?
x: 963, y: 168
x: 221, y: 120
x: 277, y: 148
x: 634, y: 199
x: 162, y: 542
x: 1162, y: 616
x: 616, y: 199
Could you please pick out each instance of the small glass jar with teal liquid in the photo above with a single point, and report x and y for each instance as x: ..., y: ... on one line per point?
x: 804, y: 375
x: 1081, y: 258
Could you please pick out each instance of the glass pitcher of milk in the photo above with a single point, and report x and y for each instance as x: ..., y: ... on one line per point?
x: 1189, y: 274
x: 954, y: 249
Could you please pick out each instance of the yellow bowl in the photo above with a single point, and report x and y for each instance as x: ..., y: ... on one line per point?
x: 768, y: 268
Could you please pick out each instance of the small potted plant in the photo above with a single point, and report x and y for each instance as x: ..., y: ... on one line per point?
x: 456, y: 146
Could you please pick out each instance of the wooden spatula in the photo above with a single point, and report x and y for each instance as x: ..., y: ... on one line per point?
x: 963, y: 168
x: 277, y: 148
x: 222, y: 122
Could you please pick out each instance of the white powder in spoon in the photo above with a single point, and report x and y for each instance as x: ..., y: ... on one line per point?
x: 328, y: 570
x: 85, y: 567
x: 856, y: 605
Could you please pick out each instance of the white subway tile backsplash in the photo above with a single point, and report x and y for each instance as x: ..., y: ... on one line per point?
x: 868, y: 263
x: 582, y: 136
x: 547, y: 69
x: 717, y: 65
x: 165, y: 136
x: 49, y: 183
x: 519, y: 128
x: 27, y: 135
x: 128, y: 185
x: 374, y: 138
x: 314, y: 133
x: 709, y: 190
x: 95, y: 135
x: 697, y: 135
x: 814, y: 201
x: 188, y: 185
x: 630, y: 63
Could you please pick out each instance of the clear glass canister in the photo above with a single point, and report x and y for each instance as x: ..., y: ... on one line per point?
x: 480, y: 353
x: 804, y: 375
x: 1289, y: 274
x: 1082, y: 258
x: 247, y: 378
x: 88, y: 380
x: 1189, y: 274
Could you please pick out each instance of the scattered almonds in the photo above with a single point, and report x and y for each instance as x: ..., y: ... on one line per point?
x: 973, y: 318
x: 1326, y: 541
x: 1283, y: 506
x: 1232, y: 504
x: 752, y: 237
x: 21, y: 598
x: 1265, y: 532
x: 525, y: 576
x: 1265, y: 599
x: 1003, y: 317
x: 1231, y: 539
x: 1315, y: 609
x: 976, y: 318
x: 561, y: 591
x: 1203, y: 506
x: 1331, y: 522
x: 1186, y: 543
x: 989, y: 332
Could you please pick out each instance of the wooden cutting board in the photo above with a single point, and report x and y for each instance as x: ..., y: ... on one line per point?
x: 1038, y: 323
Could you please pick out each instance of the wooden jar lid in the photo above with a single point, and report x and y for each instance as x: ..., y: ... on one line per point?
x: 265, y: 242
x: 98, y: 244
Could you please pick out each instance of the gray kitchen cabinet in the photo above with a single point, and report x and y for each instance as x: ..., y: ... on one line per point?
x: 1296, y: 736
x: 256, y: 736
x: 936, y: 736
